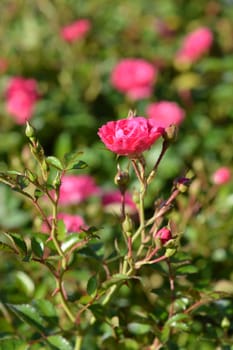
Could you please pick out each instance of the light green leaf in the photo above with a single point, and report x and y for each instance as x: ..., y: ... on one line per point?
x: 59, y: 342
x: 138, y: 328
x: 54, y: 162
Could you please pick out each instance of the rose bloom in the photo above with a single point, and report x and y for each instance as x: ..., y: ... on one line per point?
x: 164, y: 234
x: 76, y: 188
x: 111, y: 202
x: 165, y: 113
x: 73, y: 223
x: 195, y: 45
x: 221, y: 176
x: 134, y: 77
x: 21, y: 97
x: 130, y: 136
x: 76, y: 30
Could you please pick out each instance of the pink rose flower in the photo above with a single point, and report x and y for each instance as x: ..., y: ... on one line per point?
x: 130, y: 136
x: 165, y: 113
x: 73, y: 223
x: 76, y: 188
x: 164, y: 234
x: 21, y: 97
x: 76, y: 30
x: 195, y: 45
x: 134, y: 77
x: 221, y: 176
x: 111, y: 202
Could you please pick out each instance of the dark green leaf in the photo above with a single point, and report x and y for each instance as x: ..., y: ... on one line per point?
x: 80, y: 165
x: 28, y: 314
x: 46, y: 310
x: 19, y: 243
x: 37, y: 247
x: 92, y: 285
x: 22, y: 181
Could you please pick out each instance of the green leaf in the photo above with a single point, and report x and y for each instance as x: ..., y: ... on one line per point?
x: 59, y: 343
x: 129, y: 344
x: 37, y: 247
x: 19, y: 243
x: 28, y: 314
x: 72, y: 161
x: 138, y: 328
x: 92, y: 285
x: 54, y: 162
x: 22, y: 181
x: 70, y: 241
x: 187, y: 269
x: 13, y: 344
x: 80, y: 165
x: 61, y: 230
x: 46, y: 310
x: 7, y: 243
x: 38, y: 193
x: 26, y: 283
x: 115, y: 279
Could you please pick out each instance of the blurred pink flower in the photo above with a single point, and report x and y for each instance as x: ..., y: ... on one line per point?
x: 21, y: 97
x: 130, y: 136
x: 134, y: 77
x: 111, y: 202
x: 76, y: 30
x: 76, y: 188
x: 165, y: 113
x: 164, y: 234
x: 73, y: 223
x: 195, y: 45
x: 221, y: 176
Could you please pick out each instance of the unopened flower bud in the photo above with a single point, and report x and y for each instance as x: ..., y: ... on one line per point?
x: 29, y: 131
x: 122, y: 180
x: 182, y: 184
x: 170, y: 133
x: 225, y: 323
x: 127, y: 225
x: 164, y: 234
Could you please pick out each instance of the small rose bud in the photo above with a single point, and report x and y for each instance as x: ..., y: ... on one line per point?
x: 170, y: 133
x: 225, y: 323
x: 29, y: 131
x: 127, y: 226
x: 164, y: 234
x: 182, y: 184
x: 122, y: 180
